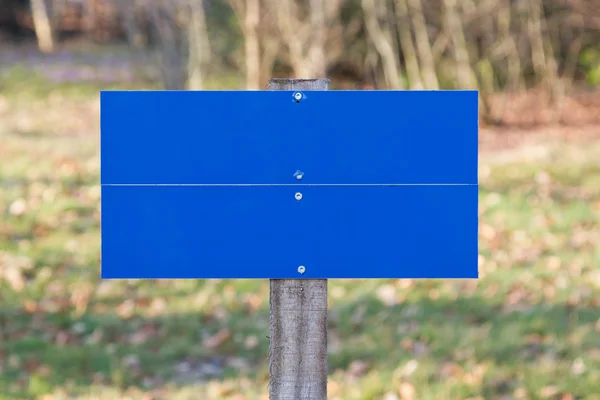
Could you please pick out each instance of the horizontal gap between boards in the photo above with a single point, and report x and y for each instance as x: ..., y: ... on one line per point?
x: 289, y: 184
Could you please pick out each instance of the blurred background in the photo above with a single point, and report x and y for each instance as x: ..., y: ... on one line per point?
x: 529, y: 328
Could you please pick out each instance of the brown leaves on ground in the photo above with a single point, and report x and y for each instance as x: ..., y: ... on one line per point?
x: 12, y: 270
x: 57, y: 115
x: 528, y: 119
x: 521, y: 268
x: 217, y: 339
x: 534, y: 108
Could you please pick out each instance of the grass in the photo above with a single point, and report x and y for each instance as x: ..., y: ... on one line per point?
x: 39, y: 87
x: 529, y: 328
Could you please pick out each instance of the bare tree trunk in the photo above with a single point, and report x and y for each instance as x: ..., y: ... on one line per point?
x: 128, y: 10
x: 544, y: 63
x: 534, y: 28
x: 295, y: 35
x: 58, y: 7
x: 337, y: 31
x: 464, y: 74
x: 270, y: 49
x: 554, y: 84
x: 481, y: 50
x: 317, y: 44
x: 248, y: 14
x: 382, y: 41
x: 304, y: 40
x: 570, y: 66
x: 507, y: 48
x: 514, y: 77
x: 251, y: 21
x: 423, y: 45
x: 408, y: 48
x: 88, y: 16
x: 371, y: 62
x: 199, y: 46
x: 171, y: 44
x: 43, y: 25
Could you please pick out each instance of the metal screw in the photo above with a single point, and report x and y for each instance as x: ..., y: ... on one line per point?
x: 298, y: 96
x: 301, y: 269
x: 298, y: 196
x: 299, y: 175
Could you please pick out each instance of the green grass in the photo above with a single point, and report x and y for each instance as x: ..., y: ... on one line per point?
x: 22, y: 84
x: 12, y: 85
x: 529, y: 328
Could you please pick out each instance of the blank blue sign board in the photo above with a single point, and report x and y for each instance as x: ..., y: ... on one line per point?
x: 255, y: 184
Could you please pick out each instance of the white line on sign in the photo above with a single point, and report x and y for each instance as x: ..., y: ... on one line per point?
x: 290, y: 184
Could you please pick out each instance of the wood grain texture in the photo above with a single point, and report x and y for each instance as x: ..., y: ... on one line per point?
x: 298, y: 320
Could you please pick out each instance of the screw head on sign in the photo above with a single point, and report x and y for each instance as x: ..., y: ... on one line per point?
x: 299, y: 175
x: 301, y: 269
x: 298, y: 196
x: 297, y: 95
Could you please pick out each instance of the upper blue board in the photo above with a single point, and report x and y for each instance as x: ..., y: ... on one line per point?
x: 263, y: 137
x: 203, y: 185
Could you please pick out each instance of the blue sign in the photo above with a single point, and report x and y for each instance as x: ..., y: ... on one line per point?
x: 256, y: 184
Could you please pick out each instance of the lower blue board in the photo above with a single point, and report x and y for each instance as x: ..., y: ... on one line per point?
x: 264, y: 232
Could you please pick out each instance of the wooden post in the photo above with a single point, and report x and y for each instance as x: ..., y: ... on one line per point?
x: 298, y: 322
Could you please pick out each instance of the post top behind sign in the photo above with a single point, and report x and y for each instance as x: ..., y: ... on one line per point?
x: 295, y: 83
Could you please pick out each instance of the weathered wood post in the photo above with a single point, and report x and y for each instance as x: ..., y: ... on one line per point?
x: 298, y: 322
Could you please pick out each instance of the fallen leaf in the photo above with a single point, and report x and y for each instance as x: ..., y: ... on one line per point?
x: 420, y: 349
x: 520, y: 393
x: 390, y: 396
x: 387, y: 295
x: 578, y: 367
x: 238, y: 363
x: 251, y: 342
x: 131, y: 361
x: 14, y: 277
x: 451, y: 370
x: 358, y: 368
x: 80, y: 297
x: 14, y: 361
x: 409, y: 368
x: 358, y: 314
x: 548, y: 391
x: 125, y: 309
x: 407, y: 391
x: 30, y: 306
x: 217, y: 339
x: 138, y: 337
x: 221, y: 313
x: 18, y: 207
x: 333, y: 388
x: 62, y: 338
x: 337, y: 292
x: 158, y: 306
